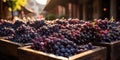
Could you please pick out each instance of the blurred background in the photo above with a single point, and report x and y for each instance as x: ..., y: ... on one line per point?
x: 10, y: 9
x: 52, y: 9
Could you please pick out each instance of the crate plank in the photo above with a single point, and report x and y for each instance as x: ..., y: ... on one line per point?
x: 26, y: 53
x: 9, y: 48
x: 113, y: 49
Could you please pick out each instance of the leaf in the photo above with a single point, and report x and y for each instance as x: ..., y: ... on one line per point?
x: 16, y: 4
x: 93, y: 23
x: 112, y: 19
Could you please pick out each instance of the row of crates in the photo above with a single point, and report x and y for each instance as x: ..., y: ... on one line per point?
x: 102, y: 51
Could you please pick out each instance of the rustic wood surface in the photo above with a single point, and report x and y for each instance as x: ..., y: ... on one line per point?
x: 6, y: 57
x: 26, y: 53
x: 8, y: 47
x: 113, y: 49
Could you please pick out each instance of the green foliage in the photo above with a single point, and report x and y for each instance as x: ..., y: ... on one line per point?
x: 50, y: 17
x: 15, y: 4
x: 61, y: 16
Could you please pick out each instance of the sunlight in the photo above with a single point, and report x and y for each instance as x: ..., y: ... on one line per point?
x: 42, y: 1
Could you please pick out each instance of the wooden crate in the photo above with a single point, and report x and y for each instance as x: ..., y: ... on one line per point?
x: 26, y: 53
x: 9, y: 48
x: 113, y: 49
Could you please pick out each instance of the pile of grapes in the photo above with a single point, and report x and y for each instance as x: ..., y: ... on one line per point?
x: 36, y: 24
x: 7, y: 31
x: 4, y: 23
x: 24, y: 34
x: 48, y: 30
x: 17, y: 24
x: 71, y: 38
x: 59, y: 46
x: 6, y: 28
x: 107, y: 31
x: 78, y: 31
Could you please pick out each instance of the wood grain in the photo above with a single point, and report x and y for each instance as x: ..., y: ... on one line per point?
x: 26, y: 53
x: 113, y: 49
x: 9, y: 48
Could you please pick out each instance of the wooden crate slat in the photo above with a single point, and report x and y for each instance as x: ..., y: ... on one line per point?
x: 91, y: 53
x: 8, y: 47
x: 26, y: 52
x: 113, y: 49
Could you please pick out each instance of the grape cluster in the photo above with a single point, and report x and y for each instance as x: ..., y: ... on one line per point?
x: 108, y: 36
x: 61, y: 22
x: 48, y: 30
x: 36, y: 24
x: 74, y: 21
x: 80, y: 34
x: 107, y: 31
x: 23, y: 29
x: 103, y: 24
x: 5, y: 24
x: 24, y: 34
x: 58, y: 46
x: 24, y: 38
x: 7, y: 31
x: 17, y: 24
x: 78, y: 31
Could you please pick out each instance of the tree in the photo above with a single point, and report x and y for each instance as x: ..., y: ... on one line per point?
x: 14, y: 5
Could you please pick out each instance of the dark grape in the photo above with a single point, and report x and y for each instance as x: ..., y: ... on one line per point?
x: 17, y: 24
x: 7, y: 31
x: 57, y: 46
